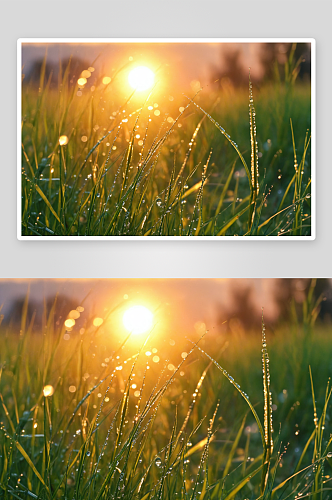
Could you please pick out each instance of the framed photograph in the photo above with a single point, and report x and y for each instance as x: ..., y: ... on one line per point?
x: 166, y: 388
x: 166, y: 138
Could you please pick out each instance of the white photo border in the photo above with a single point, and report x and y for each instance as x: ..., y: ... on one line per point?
x: 22, y: 41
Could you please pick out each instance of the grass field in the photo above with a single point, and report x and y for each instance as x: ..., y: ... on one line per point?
x: 166, y: 165
x: 88, y: 413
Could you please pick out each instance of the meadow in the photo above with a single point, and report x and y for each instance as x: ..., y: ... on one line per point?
x: 196, y: 163
x: 90, y: 413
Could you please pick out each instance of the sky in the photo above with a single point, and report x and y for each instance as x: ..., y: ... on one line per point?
x: 179, y: 63
x: 180, y: 303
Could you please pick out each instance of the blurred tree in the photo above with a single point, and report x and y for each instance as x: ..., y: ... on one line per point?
x: 243, y: 314
x: 290, y: 294
x: 34, y: 73
x: 52, y: 70
x: 14, y: 317
x: 35, y: 310
x: 275, y: 60
x: 288, y: 291
x: 274, y: 57
x: 231, y: 70
x: 324, y: 287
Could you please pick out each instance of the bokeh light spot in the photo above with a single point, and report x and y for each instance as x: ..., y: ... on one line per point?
x: 98, y: 321
x: 63, y: 140
x: 85, y: 74
x: 74, y: 314
x: 48, y: 391
x: 82, y: 81
x: 69, y: 323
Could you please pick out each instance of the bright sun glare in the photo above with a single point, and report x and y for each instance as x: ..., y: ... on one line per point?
x: 137, y: 319
x: 141, y: 78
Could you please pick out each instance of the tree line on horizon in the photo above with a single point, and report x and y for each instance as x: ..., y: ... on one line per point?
x: 232, y: 69
x: 288, y: 296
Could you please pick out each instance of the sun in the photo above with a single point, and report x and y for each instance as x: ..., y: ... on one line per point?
x: 137, y: 319
x: 141, y: 78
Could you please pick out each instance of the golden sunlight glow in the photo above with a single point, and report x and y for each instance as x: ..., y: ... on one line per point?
x: 106, y: 80
x: 48, y: 391
x: 141, y: 78
x: 137, y: 319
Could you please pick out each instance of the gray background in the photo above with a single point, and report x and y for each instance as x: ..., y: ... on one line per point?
x: 159, y: 18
